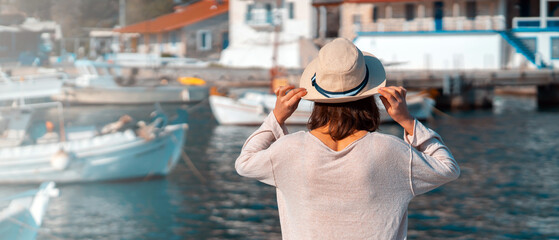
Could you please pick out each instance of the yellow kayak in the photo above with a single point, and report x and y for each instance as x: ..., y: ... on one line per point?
x: 191, y: 81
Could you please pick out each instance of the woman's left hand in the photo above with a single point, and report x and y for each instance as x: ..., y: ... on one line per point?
x: 286, y: 104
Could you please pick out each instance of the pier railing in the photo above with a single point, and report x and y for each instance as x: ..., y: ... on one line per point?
x: 428, y: 24
x: 534, y: 22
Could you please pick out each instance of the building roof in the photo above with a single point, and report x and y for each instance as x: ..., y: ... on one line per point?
x: 183, y: 16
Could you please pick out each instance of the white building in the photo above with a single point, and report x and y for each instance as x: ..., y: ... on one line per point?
x: 252, y: 35
x: 447, y: 34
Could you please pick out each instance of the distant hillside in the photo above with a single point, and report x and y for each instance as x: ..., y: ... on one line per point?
x: 75, y: 15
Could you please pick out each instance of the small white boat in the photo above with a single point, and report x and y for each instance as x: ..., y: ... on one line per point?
x: 23, y: 217
x: 30, y: 86
x: 252, y: 107
x: 119, y: 155
x: 99, y: 83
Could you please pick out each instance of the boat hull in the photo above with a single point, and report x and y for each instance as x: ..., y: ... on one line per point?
x: 253, y: 109
x: 132, y: 95
x: 108, y: 157
x: 228, y: 111
x: 23, y: 217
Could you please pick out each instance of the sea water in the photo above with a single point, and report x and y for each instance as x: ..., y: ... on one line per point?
x: 508, y: 189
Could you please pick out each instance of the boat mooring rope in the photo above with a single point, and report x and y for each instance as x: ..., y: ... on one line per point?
x: 189, y: 162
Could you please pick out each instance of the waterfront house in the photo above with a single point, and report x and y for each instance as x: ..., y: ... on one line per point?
x: 448, y: 34
x: 198, y: 30
x: 253, y: 31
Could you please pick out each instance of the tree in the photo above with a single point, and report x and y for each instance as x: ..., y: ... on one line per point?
x: 36, y: 9
x: 141, y: 10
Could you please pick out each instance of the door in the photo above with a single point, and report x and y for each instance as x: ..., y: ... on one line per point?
x: 224, y: 40
x: 438, y: 15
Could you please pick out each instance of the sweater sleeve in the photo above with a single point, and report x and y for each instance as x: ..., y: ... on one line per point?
x: 431, y: 163
x: 255, y: 159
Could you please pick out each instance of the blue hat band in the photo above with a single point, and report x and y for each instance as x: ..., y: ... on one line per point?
x: 351, y: 92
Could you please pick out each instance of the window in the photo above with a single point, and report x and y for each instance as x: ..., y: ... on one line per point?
x: 410, y: 11
x: 174, y: 38
x: 357, y: 19
x: 375, y: 14
x: 555, y: 47
x: 204, y: 40
x: 291, y: 8
x: 269, y: 16
x: 249, y: 12
x: 471, y: 10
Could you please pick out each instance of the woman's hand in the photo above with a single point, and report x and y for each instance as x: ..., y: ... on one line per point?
x: 287, y: 103
x: 394, y: 100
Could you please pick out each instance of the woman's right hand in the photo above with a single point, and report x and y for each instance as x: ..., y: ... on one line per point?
x: 394, y: 100
x: 286, y: 103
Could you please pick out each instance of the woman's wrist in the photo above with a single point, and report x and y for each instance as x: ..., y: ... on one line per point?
x: 408, y: 125
x: 278, y: 117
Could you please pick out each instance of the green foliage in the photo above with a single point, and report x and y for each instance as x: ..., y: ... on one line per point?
x: 77, y: 16
x: 33, y: 8
x: 99, y: 13
x: 141, y: 10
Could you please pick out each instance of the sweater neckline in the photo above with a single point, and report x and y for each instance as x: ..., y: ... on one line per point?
x: 334, y: 151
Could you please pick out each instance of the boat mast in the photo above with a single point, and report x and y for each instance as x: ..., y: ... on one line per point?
x: 277, y: 21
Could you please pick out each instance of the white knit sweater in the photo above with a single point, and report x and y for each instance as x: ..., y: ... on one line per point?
x: 360, y: 192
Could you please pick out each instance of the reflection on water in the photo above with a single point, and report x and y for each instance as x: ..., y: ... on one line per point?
x: 508, y: 189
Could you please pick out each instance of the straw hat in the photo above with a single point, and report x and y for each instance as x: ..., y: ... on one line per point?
x: 342, y: 73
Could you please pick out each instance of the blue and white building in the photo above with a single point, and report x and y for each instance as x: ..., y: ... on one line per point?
x: 448, y: 34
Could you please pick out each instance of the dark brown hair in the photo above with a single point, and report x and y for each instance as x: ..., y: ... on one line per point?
x: 345, y: 118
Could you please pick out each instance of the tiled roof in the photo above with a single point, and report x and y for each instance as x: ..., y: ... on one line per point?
x: 183, y: 16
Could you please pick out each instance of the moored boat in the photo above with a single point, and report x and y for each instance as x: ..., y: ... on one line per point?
x: 98, y: 84
x: 23, y: 217
x: 30, y: 86
x: 119, y: 155
x: 252, y: 107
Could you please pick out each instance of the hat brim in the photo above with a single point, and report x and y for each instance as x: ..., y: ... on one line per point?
x: 377, y: 79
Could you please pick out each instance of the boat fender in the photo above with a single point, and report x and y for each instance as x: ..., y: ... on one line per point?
x: 60, y: 160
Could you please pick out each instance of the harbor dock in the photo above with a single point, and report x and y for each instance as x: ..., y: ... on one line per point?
x: 456, y: 89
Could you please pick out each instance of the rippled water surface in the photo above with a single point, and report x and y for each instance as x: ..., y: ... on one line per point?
x: 509, y: 187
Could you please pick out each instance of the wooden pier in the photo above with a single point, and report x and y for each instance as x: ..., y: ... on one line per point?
x: 475, y: 89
